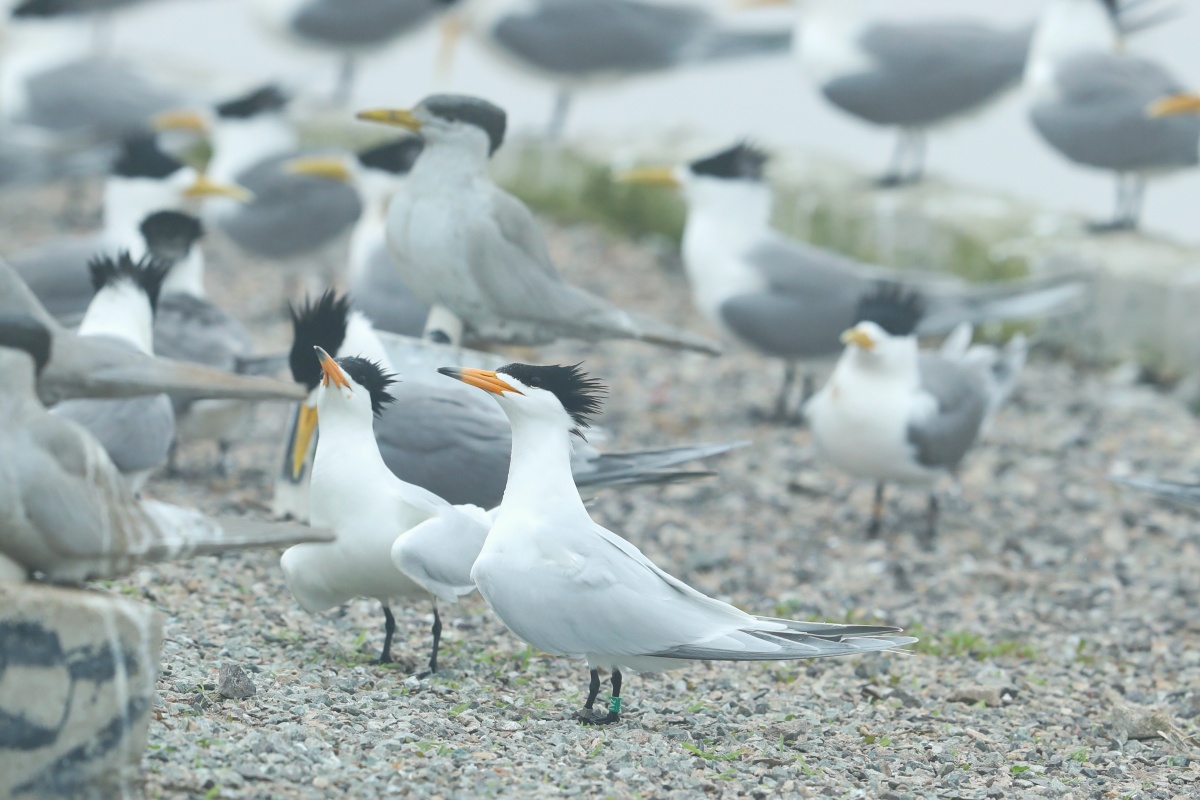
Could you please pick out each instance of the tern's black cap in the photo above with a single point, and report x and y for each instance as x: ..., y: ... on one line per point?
x: 170, y: 235
x: 316, y: 324
x: 24, y: 332
x: 263, y: 100
x: 743, y: 161
x: 892, y: 307
x: 371, y: 376
x: 396, y: 157
x: 147, y: 273
x: 580, y: 394
x: 141, y: 157
x: 473, y: 111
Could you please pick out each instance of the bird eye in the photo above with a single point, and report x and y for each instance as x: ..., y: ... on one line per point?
x: 535, y: 382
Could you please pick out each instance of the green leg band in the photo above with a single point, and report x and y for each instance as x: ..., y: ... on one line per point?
x: 614, y: 705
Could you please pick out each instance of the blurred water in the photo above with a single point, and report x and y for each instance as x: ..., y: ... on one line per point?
x: 768, y: 99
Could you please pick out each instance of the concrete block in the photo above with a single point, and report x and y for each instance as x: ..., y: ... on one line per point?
x: 77, y: 675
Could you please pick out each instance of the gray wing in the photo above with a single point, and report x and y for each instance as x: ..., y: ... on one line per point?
x: 31, y: 155
x: 579, y: 38
x: 58, y: 275
x: 97, y: 96
x: 925, y: 73
x: 448, y: 442
x: 381, y: 293
x: 349, y: 23
x: 290, y: 214
x: 1098, y: 117
x: 962, y: 402
x: 811, y: 296
x: 136, y: 432
x: 192, y: 329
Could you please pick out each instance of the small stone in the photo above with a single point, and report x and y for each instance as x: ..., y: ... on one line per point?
x: 990, y: 696
x: 234, y: 684
x: 1140, y: 722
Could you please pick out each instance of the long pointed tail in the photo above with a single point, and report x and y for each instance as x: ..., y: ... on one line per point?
x: 649, y: 330
x: 1027, y: 299
x: 786, y: 640
x: 1183, y: 493
x: 647, y: 466
x: 186, y: 532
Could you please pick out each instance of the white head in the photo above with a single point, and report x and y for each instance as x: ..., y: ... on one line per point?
x: 126, y: 297
x: 871, y: 349
x: 560, y: 398
x: 466, y: 129
x: 1067, y: 28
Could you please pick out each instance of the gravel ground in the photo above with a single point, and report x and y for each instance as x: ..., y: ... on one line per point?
x: 1058, y: 658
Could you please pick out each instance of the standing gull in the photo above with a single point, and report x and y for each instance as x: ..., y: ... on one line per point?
x: 570, y: 587
x: 575, y: 44
x: 444, y: 438
x: 65, y: 511
x: 347, y: 28
x: 475, y: 253
x: 136, y: 432
x: 372, y: 276
x: 1095, y: 103
x: 790, y: 300
x: 291, y: 216
x: 373, y: 512
x: 891, y: 413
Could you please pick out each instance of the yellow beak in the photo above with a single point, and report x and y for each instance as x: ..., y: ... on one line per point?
x: 331, y: 369
x: 399, y: 117
x: 649, y: 176
x: 1174, y: 105
x: 204, y: 187
x: 331, y: 167
x: 306, y: 424
x: 180, y: 120
x: 480, y: 379
x: 857, y: 336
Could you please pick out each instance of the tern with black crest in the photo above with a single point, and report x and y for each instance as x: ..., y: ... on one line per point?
x: 569, y: 587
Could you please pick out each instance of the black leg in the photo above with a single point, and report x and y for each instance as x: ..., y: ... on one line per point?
x: 585, y: 714
x: 895, y: 171
x: 917, y: 171
x: 223, y: 458
x: 437, y: 638
x: 389, y: 629
x: 1133, y: 201
x: 931, y: 531
x: 344, y: 88
x: 614, y: 704
x: 876, y: 524
x: 1123, y: 213
x: 782, y: 403
x: 558, y: 118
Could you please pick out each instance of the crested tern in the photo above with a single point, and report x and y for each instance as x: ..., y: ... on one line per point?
x: 97, y: 367
x: 65, y: 511
x: 372, y: 277
x: 475, y: 253
x: 373, y: 512
x: 569, y: 587
x: 136, y: 432
x: 444, y: 438
x: 190, y: 327
x: 892, y: 413
x: 790, y: 300
x: 143, y: 179
x: 347, y: 28
x: 573, y: 44
x: 290, y: 216
x: 1095, y: 104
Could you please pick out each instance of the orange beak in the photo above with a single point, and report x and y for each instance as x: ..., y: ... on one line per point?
x: 480, y: 379
x: 331, y: 369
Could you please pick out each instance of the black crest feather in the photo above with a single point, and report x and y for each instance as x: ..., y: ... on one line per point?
x: 170, y: 235
x: 371, y: 376
x: 743, y: 161
x: 580, y: 394
x: 473, y: 111
x: 396, y: 157
x: 24, y: 332
x: 320, y: 324
x: 141, y: 157
x: 147, y: 273
x: 892, y: 307
x: 264, y: 99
